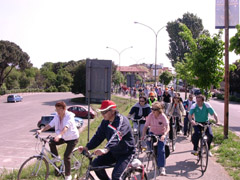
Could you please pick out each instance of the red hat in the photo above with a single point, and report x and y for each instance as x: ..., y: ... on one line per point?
x: 107, y: 104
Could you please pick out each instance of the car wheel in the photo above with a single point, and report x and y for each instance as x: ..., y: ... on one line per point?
x: 41, y: 126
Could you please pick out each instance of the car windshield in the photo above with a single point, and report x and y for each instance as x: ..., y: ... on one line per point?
x: 47, y: 118
x: 11, y: 96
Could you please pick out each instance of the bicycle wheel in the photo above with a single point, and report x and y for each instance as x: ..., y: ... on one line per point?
x: 204, y: 156
x: 149, y: 163
x: 135, y: 174
x: 36, y: 167
x: 174, y: 137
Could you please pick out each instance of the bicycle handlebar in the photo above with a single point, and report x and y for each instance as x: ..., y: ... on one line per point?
x: 45, y: 140
x: 136, y: 120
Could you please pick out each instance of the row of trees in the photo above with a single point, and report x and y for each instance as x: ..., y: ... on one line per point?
x: 196, y: 55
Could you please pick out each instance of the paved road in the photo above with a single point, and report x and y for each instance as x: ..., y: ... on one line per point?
x: 19, y: 122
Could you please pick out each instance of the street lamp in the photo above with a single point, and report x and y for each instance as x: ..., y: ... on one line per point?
x: 119, y: 53
x: 156, y: 35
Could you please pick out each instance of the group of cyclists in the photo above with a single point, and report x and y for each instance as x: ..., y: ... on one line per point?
x: 155, y: 112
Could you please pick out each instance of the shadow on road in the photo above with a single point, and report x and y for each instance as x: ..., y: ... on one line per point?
x: 188, y: 169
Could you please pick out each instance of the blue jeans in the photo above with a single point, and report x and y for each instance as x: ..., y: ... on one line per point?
x: 121, y: 161
x: 159, y: 151
x: 197, y: 135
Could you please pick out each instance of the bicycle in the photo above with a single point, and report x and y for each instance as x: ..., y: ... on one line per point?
x: 134, y: 171
x: 189, y: 126
x: 173, y: 132
x: 203, y: 150
x: 150, y: 159
x: 137, y: 135
x: 37, y: 166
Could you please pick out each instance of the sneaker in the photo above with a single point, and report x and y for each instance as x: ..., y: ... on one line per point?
x: 68, y: 177
x: 210, y: 154
x: 162, y: 171
x: 195, y: 153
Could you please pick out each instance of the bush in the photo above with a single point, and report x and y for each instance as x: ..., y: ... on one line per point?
x: 220, y: 96
x: 52, y: 89
x: 63, y: 88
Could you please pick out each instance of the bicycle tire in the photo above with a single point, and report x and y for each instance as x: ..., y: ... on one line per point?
x: 135, y: 174
x: 32, y: 164
x: 204, y: 156
x: 149, y: 163
x: 174, y: 137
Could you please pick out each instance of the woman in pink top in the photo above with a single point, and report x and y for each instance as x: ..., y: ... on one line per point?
x: 158, y: 124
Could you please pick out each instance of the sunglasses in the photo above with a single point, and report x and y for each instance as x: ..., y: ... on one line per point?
x: 152, y: 96
x: 155, y: 109
x: 105, y: 112
x: 141, y: 101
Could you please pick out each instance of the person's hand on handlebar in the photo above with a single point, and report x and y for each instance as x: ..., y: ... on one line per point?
x: 82, y: 148
x: 99, y: 152
x: 193, y: 123
x: 39, y: 131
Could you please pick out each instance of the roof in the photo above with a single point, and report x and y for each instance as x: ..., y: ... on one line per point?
x: 131, y: 69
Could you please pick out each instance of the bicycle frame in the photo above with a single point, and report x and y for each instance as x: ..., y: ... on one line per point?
x: 130, y: 169
x: 136, y: 133
x: 44, y: 155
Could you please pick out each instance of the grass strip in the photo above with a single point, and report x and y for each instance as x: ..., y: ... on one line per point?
x: 227, y: 151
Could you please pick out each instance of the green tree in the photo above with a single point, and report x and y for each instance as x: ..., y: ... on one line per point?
x: 118, y: 78
x: 12, y: 80
x: 235, y: 42
x: 11, y: 55
x: 205, y: 59
x: 79, y: 78
x: 184, y: 72
x: 234, y: 78
x: 63, y: 80
x: 165, y: 78
x: 177, y: 45
x: 24, y: 81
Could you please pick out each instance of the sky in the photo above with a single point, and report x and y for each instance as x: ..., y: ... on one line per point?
x: 64, y: 30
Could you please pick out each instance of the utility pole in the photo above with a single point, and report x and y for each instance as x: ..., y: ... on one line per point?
x: 226, y: 90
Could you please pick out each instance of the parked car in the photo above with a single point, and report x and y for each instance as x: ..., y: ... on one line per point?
x: 196, y: 91
x: 14, y: 98
x: 47, y: 119
x: 81, y: 111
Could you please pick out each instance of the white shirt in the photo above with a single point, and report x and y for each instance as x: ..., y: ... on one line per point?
x: 67, y: 121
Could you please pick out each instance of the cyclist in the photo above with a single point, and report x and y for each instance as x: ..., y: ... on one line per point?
x: 171, y: 92
x: 166, y: 99
x: 176, y: 109
x: 159, y: 125
x: 120, y: 146
x: 187, y: 105
x: 139, y: 110
x: 152, y: 98
x: 200, y: 110
x: 66, y: 131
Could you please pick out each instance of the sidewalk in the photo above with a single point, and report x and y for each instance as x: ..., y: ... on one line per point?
x: 181, y: 164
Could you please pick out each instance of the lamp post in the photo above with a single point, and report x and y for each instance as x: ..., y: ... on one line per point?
x: 156, y: 35
x: 119, y: 53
